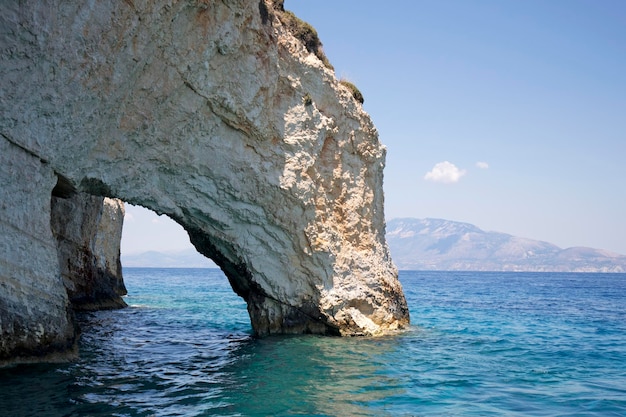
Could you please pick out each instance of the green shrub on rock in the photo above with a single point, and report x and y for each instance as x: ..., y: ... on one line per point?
x: 356, y: 93
x: 303, y: 31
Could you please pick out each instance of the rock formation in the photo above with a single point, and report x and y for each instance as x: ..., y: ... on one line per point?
x: 35, y: 316
x: 213, y: 113
x: 88, y: 231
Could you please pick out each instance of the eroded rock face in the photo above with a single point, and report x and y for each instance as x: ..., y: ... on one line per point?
x: 214, y: 114
x: 36, y: 319
x: 88, y: 230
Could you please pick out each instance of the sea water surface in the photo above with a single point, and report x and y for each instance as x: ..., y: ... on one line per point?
x: 480, y: 344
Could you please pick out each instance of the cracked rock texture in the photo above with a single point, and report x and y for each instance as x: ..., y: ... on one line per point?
x: 210, y: 112
x: 88, y: 230
x: 36, y: 319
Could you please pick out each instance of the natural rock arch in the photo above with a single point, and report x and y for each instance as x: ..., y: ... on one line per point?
x: 214, y: 114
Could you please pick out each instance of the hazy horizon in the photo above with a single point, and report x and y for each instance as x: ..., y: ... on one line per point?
x: 145, y: 231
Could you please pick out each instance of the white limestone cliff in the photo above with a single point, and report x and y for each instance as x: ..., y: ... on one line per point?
x: 213, y: 113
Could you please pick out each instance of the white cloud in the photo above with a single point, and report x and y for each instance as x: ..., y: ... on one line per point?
x: 445, y: 172
x: 482, y: 165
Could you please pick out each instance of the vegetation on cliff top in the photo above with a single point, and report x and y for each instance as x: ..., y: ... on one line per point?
x: 303, y: 31
x: 356, y: 93
x: 309, y: 37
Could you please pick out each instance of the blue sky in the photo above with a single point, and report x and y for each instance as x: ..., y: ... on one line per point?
x: 510, y: 115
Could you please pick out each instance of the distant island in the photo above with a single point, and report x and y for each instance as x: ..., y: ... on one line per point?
x: 186, y: 258
x: 443, y: 245
x: 437, y: 244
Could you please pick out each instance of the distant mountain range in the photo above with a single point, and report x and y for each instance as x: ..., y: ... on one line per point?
x: 188, y: 258
x: 436, y: 244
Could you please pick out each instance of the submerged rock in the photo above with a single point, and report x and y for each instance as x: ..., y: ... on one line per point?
x: 216, y: 115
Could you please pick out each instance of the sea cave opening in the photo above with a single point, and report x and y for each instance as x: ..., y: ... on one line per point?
x: 151, y: 240
x: 163, y: 270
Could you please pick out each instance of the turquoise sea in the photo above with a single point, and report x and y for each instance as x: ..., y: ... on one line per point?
x: 481, y: 344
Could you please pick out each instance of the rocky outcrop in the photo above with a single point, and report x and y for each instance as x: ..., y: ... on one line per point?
x: 216, y: 115
x: 35, y: 315
x: 88, y: 231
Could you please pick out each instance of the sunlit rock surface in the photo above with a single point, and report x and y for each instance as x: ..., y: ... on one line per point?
x: 214, y: 114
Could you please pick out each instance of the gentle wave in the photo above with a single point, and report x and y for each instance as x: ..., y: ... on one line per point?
x: 480, y: 344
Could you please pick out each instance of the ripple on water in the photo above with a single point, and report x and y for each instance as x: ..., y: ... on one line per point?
x: 481, y: 344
